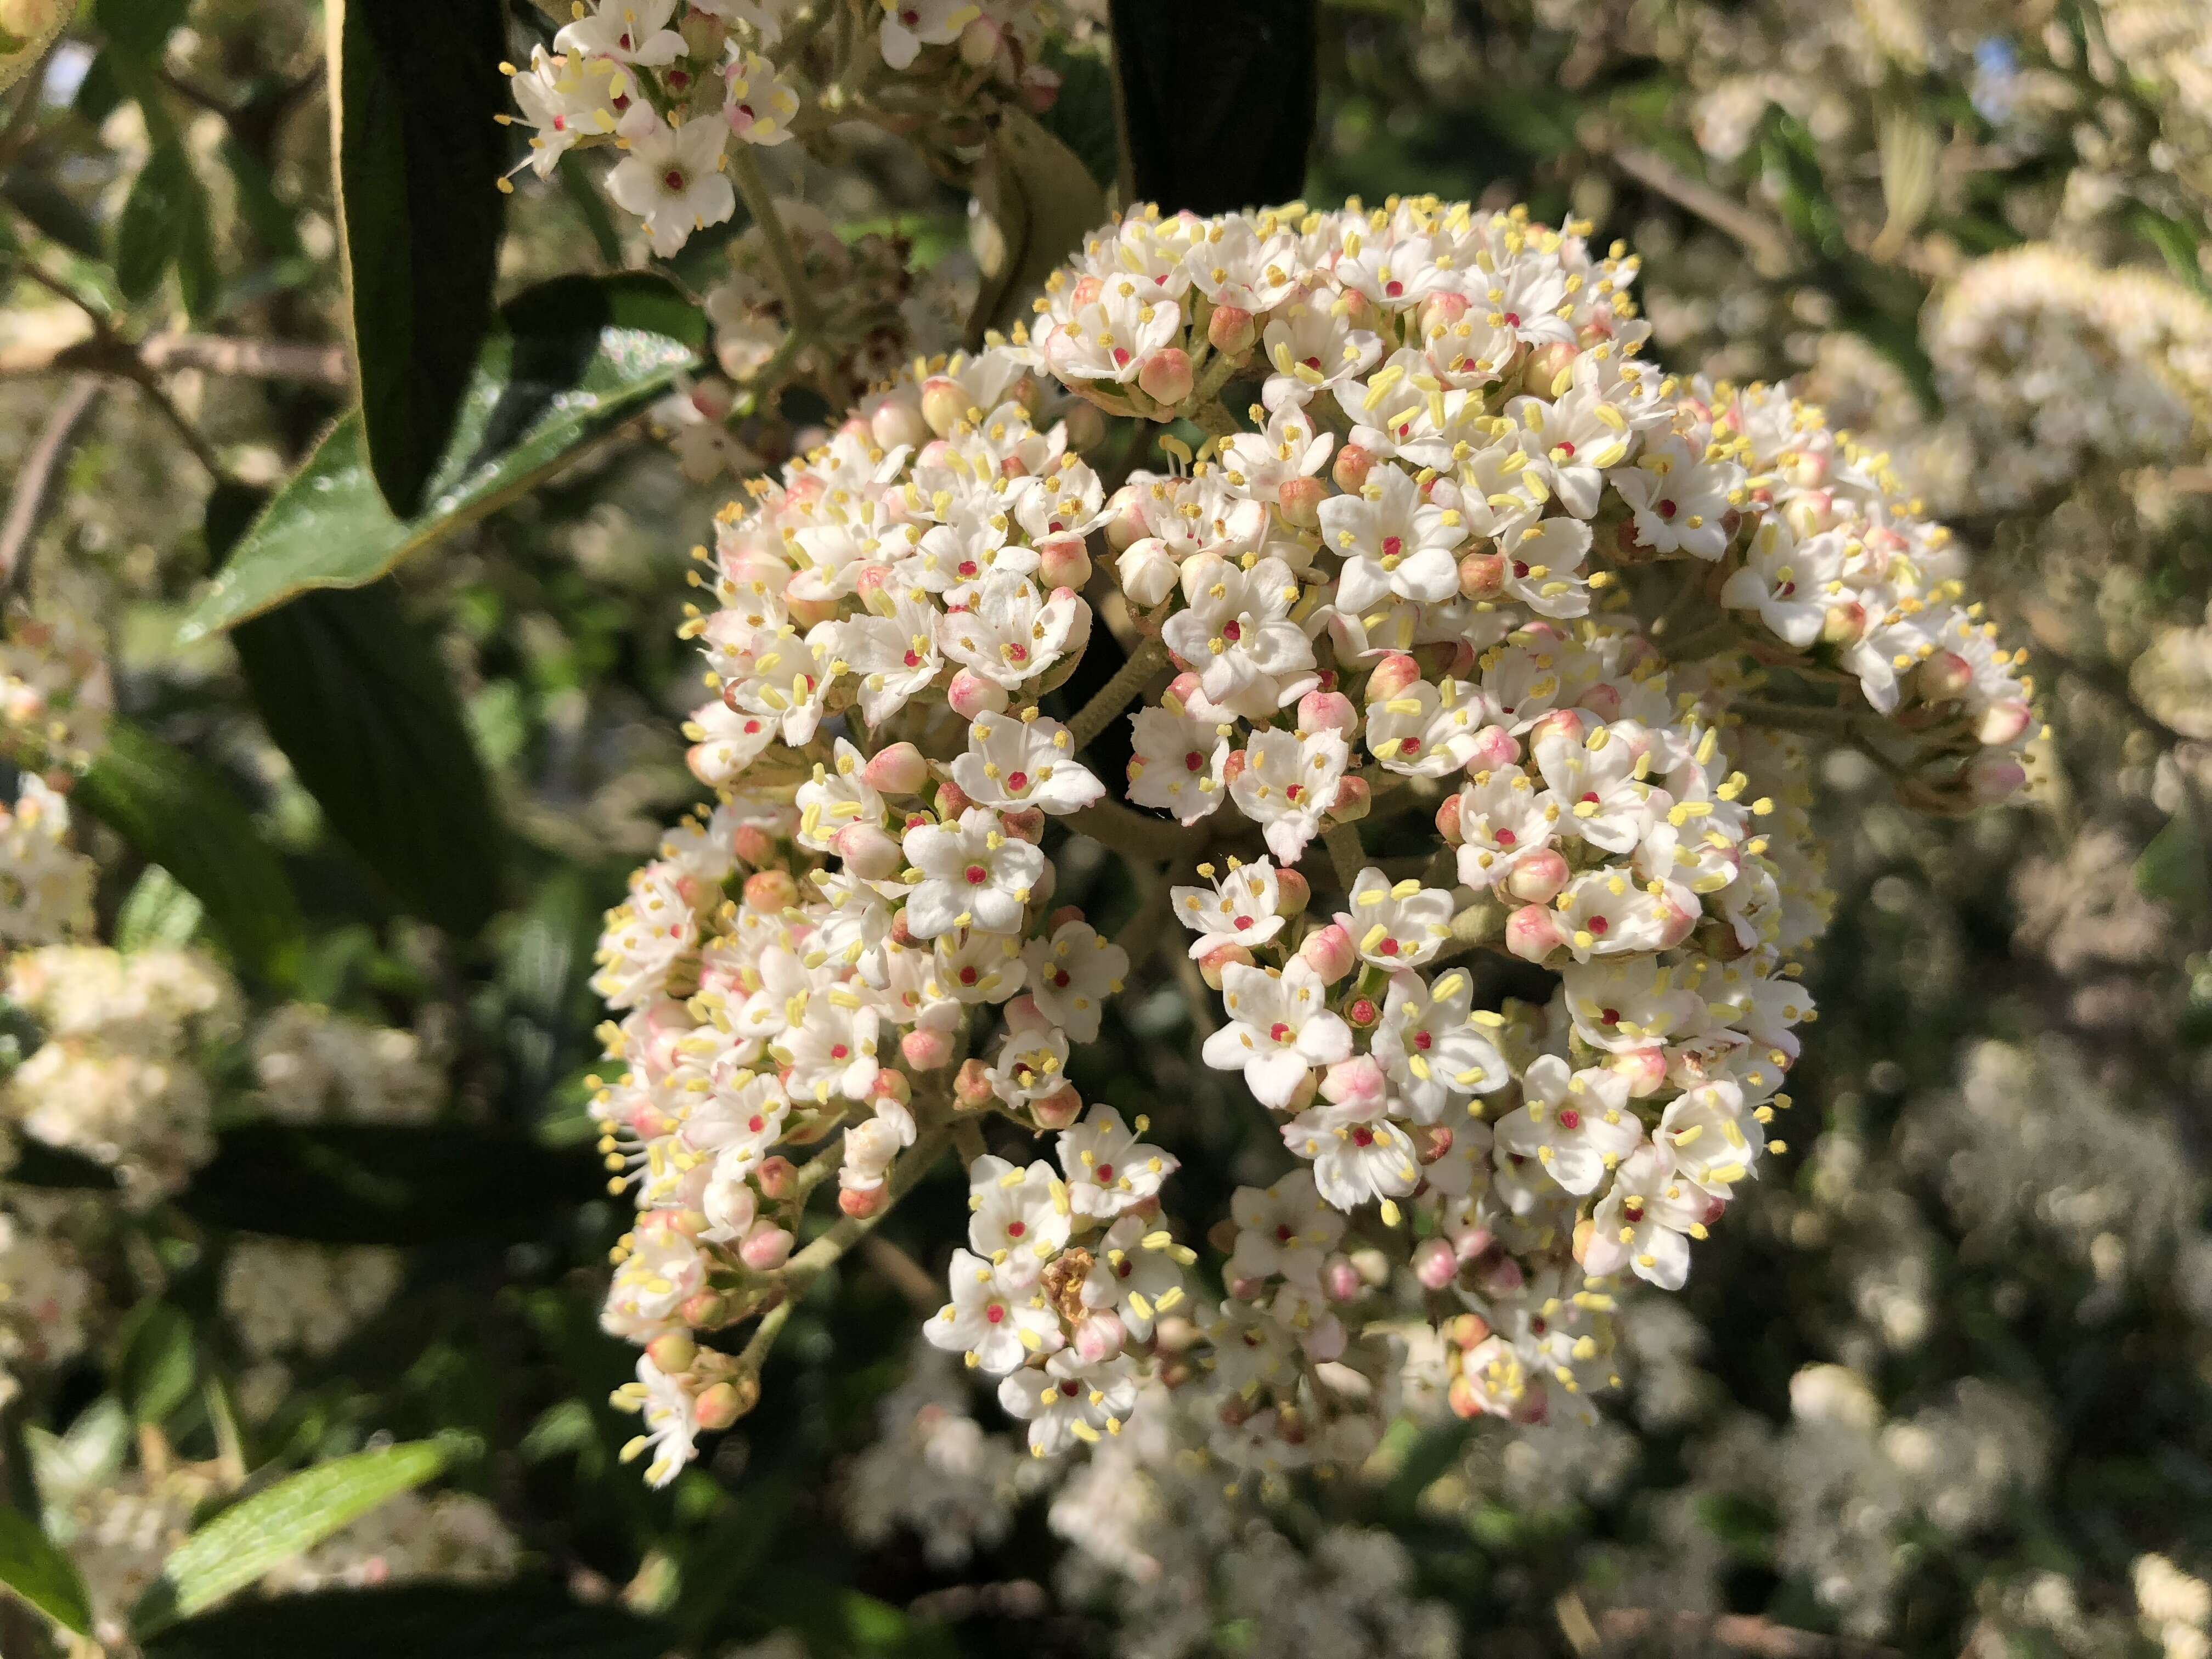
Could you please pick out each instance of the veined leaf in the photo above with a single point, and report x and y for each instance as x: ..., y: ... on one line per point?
x: 571, y: 360
x: 419, y: 159
x: 246, y: 1540
x: 159, y: 914
x: 31, y: 1567
x: 160, y: 1363
x: 525, y: 1619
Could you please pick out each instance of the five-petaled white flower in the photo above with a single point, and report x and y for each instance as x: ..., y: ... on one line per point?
x: 1243, y: 907
x: 1072, y: 974
x: 1279, y: 1029
x: 974, y: 875
x: 1396, y: 927
x: 1575, y: 1124
x: 1018, y: 1218
x: 1431, y: 1046
x: 1176, y: 761
x: 1107, y: 1168
x: 1251, y: 659
x: 672, y: 179
x: 1068, y: 1401
x: 1288, y: 784
x: 1015, y: 763
x: 997, y: 1319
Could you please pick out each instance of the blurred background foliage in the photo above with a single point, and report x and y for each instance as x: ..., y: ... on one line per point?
x: 1944, y: 1384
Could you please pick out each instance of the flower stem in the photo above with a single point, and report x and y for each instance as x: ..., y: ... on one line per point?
x: 1118, y: 693
x: 1345, y: 853
x: 760, y: 202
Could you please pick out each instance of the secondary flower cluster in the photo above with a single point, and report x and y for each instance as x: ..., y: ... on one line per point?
x: 1474, y: 564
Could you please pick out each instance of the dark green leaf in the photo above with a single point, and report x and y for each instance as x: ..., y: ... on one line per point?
x: 158, y: 913
x: 419, y: 160
x: 528, y: 1620
x: 249, y: 1538
x: 572, y: 360
x: 138, y: 27
x: 265, y: 212
x: 353, y: 1183
x: 1218, y: 100
x: 38, y: 1165
x: 159, y: 1366
x: 183, y: 817
x: 2174, y: 867
x: 164, y: 223
x: 31, y: 1567
x: 1083, y: 117
x: 355, y: 696
x: 54, y: 211
x: 1035, y: 205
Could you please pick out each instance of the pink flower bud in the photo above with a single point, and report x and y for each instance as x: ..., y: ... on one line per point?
x: 1233, y: 767
x: 1351, y: 467
x: 1025, y: 826
x: 1023, y: 1014
x: 1810, y: 515
x: 896, y: 424
x: 1539, y: 375
x: 1231, y: 329
x: 1057, y: 1110
x: 897, y: 770
x: 861, y: 1202
x: 1329, y: 952
x: 775, y: 1176
x: 868, y: 852
x: 971, y: 695
x: 1340, y: 1279
x: 1099, y: 1337
x: 1567, y: 725
x: 1943, y: 677
x: 807, y: 612
x: 951, y: 801
x: 1464, y: 1400
x: 1470, y: 1245
x: 726, y: 1402
x: 1992, y: 777
x: 753, y: 845
x: 891, y: 1086
x: 766, y: 1247
x: 2002, y: 723
x: 925, y: 1050
x: 1300, y: 500
x: 1087, y: 289
x: 1845, y: 624
x: 1211, y: 964
x: 1538, y: 877
x: 1354, y: 797
x: 1063, y: 561
x: 1500, y: 1275
x: 1250, y: 1288
x: 1293, y: 893
x: 1326, y: 711
x: 1434, y: 1264
x: 770, y: 890
x: 1644, y: 1068
x: 1602, y: 700
x: 945, y: 404
x: 672, y: 1352
x: 1392, y: 676
x: 1359, y: 1081
x: 1166, y: 376
x: 714, y: 398
x: 1447, y: 824
x: 1323, y: 1340
x: 1494, y: 747
x: 1439, y: 311
x: 709, y: 1310
x: 1431, y: 1142
x: 1125, y: 519
x: 1532, y: 934
x: 971, y: 1086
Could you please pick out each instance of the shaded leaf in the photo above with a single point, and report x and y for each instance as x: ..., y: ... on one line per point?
x: 249, y: 1538
x: 2174, y: 867
x: 1035, y: 203
x: 358, y: 1183
x: 164, y: 223
x: 1218, y: 100
x: 38, y: 1165
x: 159, y: 1366
x: 54, y: 211
x: 572, y: 360
x: 182, y: 816
x: 418, y: 158
x: 31, y: 1567
x: 528, y: 1620
x: 140, y: 29
x: 158, y: 913
x: 1083, y: 116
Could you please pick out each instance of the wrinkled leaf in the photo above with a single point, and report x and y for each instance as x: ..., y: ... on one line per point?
x: 31, y: 1567
x: 159, y: 914
x: 1218, y: 100
x: 246, y: 1540
x: 353, y: 1183
x: 572, y: 360
x: 355, y: 696
x: 1034, y: 204
x: 419, y: 159
x: 526, y: 1619
x: 182, y: 816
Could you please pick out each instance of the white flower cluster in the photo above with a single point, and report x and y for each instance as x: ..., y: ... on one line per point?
x: 444, y: 1537
x: 46, y: 883
x: 1479, y: 562
x: 318, y: 1066
x: 56, y: 693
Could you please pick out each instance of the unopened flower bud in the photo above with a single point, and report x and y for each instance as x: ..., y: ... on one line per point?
x: 1494, y: 747
x: 1326, y: 711
x: 770, y: 890
x: 714, y: 398
x: 1099, y: 1337
x: 1539, y: 375
x: 1329, y: 952
x: 971, y: 695
x: 1463, y: 1400
x: 1354, y: 797
x: 1845, y: 624
x: 1532, y: 934
x: 945, y: 404
x: 1434, y: 1264
x: 951, y: 801
x: 765, y: 1247
x: 1644, y: 1068
x: 672, y: 1353
x: 1340, y: 1279
x: 726, y: 1402
x: 775, y: 1177
x: 1540, y: 877
x: 1293, y: 893
x: 1231, y: 329
x: 1351, y: 467
x: 1567, y: 725
x: 1165, y: 376
x: 1439, y: 311
x: 898, y: 769
x: 868, y: 851
x: 971, y: 1086
x: 1448, y: 825
x: 753, y: 845
x: 807, y: 612
x: 1991, y: 777
x: 1063, y: 561
x: 709, y: 1310
x: 2002, y: 723
x: 1431, y: 1142
x: 861, y: 1202
x: 1363, y: 1015
x: 1211, y: 964
x: 979, y: 43
x: 925, y: 1049
x: 1392, y: 676
x: 896, y: 424
x: 1027, y: 824
x: 1057, y: 1110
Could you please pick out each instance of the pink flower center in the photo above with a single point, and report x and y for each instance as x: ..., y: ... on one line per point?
x: 1507, y: 838
x: 913, y: 659
x: 976, y: 874
x: 1278, y: 1032
x: 1424, y: 1041
x: 969, y: 975
x: 1666, y: 508
x: 1363, y: 1136
x: 1105, y: 1173
x: 1567, y: 450
x: 1608, y: 1016
x: 1232, y: 631
x: 1069, y: 1387
x: 1389, y: 947
x: 1600, y: 925
x: 1016, y: 1229
x: 840, y: 1051
x: 1392, y: 546
x: 1018, y: 781
x: 995, y: 1314
x: 1194, y: 761
x: 1569, y: 1119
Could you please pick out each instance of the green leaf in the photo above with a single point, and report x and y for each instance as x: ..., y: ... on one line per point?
x: 1035, y: 203
x: 164, y: 223
x: 38, y: 1165
x: 20, y: 54
x: 159, y: 1365
x: 359, y: 1183
x: 2175, y: 866
x: 31, y: 1567
x: 1083, y: 116
x: 183, y: 817
x: 572, y: 360
x: 54, y: 211
x: 356, y: 697
x: 293, y: 1516
x: 526, y: 1619
x: 1218, y: 100
x: 140, y: 29
x: 419, y: 159
x: 159, y: 914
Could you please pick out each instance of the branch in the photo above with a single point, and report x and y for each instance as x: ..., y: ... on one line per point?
x: 1346, y: 854
x: 27, y: 504
x: 760, y: 202
x: 1118, y: 693
x: 1769, y: 244
x: 905, y: 1273
x: 1740, y: 1632
x: 1110, y: 823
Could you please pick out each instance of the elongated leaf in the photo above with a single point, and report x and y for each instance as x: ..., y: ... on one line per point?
x: 351, y: 1183
x: 31, y: 1567
x: 419, y: 159
x: 529, y: 1619
x: 159, y: 1366
x: 1083, y: 116
x: 1036, y: 203
x: 158, y: 914
x: 572, y: 360
x: 1218, y: 100
x: 139, y: 28
x: 293, y: 1516
x: 184, y: 817
x: 356, y: 697
x: 164, y: 223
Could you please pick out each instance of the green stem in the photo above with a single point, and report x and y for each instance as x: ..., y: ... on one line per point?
x: 1345, y: 853
x: 1118, y: 693
x: 817, y: 1258
x: 760, y: 202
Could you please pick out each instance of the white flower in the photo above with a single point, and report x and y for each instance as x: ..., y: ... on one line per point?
x: 1243, y: 907
x: 1137, y: 1272
x: 1714, y: 1142
x: 1392, y: 541
x: 1288, y: 784
x: 1429, y: 1046
x: 1068, y: 1401
x: 1640, y: 1224
x: 1109, y: 1169
x: 564, y: 101
x: 1427, y: 730
x: 996, y: 1320
x: 967, y: 966
x: 1280, y: 1030
x: 1032, y: 1064
x: 832, y: 1049
x: 1598, y: 782
x: 1112, y: 338
x: 1010, y: 633
x: 1359, y: 1154
x: 1576, y: 1124
x: 873, y: 1146
x: 1072, y: 974
x: 1396, y: 927
x: 737, y: 1123
x: 829, y: 802
x: 1544, y: 566
x: 1791, y: 584
x: 974, y: 875
x: 1623, y: 1003
x: 1014, y: 764
x: 1259, y: 463
x: 1251, y: 658
x: 910, y: 25
x: 672, y: 179
x: 1314, y: 348
x: 1503, y: 817
x: 1284, y: 1231
x: 1571, y: 443
x: 759, y: 105
x: 1176, y: 761
x: 1018, y: 1218
x: 895, y: 656
x: 1681, y: 500
x: 627, y: 31
x: 1604, y: 912
x: 670, y: 1418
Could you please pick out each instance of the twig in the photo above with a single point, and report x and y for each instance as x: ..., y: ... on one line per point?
x: 1110, y: 823
x: 760, y: 202
x: 1770, y: 244
x: 1743, y: 1632
x: 250, y: 359
x: 817, y: 1258
x: 1346, y: 855
x: 1118, y: 693
x: 27, y: 504
x: 905, y: 1273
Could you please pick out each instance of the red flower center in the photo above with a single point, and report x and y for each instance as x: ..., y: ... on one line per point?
x: 1424, y: 1041
x: 1600, y: 925
x: 1569, y: 1119
x: 1232, y: 631
x: 1507, y: 838
x: 1018, y: 781
x: 995, y: 1314
x: 976, y: 874
x: 1016, y: 1229
x: 1363, y: 1136
x: 1666, y: 508
x: 1194, y: 761
x: 1280, y: 1032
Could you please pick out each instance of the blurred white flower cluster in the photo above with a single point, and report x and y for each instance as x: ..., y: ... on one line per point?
x: 1477, y: 563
